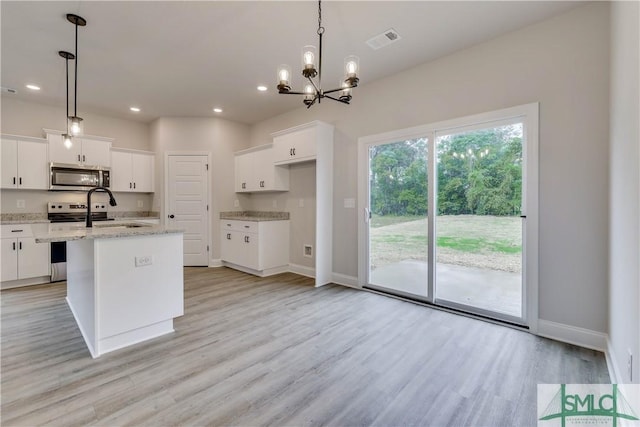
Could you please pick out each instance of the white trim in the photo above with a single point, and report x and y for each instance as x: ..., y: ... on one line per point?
x: 302, y: 270
x: 298, y: 128
x: 97, y: 138
x: 215, y: 263
x: 23, y: 138
x: 614, y: 371
x: 344, y: 280
x: 132, y: 150
x: 253, y: 149
x: 573, y: 335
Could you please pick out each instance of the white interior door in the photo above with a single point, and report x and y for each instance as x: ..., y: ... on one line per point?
x: 188, y: 201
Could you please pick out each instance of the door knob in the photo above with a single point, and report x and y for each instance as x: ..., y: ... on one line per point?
x: 172, y: 216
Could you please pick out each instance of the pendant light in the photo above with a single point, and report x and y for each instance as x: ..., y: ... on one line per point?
x: 75, y: 122
x: 67, y: 56
x: 313, y: 89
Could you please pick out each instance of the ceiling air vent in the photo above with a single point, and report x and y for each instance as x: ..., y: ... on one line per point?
x: 384, y: 39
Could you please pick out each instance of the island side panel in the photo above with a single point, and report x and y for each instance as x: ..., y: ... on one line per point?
x: 81, y: 289
x: 136, y: 303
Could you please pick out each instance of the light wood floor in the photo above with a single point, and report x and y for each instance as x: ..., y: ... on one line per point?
x: 276, y: 351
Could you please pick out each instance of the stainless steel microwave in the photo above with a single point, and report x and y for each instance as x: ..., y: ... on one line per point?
x: 77, y: 178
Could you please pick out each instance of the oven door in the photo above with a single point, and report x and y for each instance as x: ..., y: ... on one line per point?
x: 67, y: 177
x: 58, y: 261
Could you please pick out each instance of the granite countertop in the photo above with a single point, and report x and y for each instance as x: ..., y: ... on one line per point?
x: 255, y: 216
x: 63, y: 233
x: 23, y: 218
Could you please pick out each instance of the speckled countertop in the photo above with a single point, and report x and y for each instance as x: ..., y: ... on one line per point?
x: 255, y: 216
x: 37, y: 218
x: 63, y: 233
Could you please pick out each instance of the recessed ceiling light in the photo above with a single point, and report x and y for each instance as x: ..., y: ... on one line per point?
x: 134, y: 109
x: 262, y: 88
x: 33, y: 87
x: 217, y: 110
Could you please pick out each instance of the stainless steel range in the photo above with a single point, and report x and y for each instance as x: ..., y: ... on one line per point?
x: 71, y: 214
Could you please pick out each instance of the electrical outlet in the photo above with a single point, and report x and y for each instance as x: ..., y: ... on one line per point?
x: 630, y: 365
x: 141, y: 261
x: 20, y: 204
x: 140, y: 203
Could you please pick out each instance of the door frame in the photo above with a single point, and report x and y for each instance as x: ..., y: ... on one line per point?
x: 165, y: 194
x: 530, y: 117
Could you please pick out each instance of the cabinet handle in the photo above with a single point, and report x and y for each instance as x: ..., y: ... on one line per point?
x: 228, y: 236
x: 244, y: 185
x: 84, y: 159
x: 134, y: 185
x: 78, y: 157
x: 17, y: 231
x: 20, y: 245
x: 294, y: 151
x: 20, y: 180
x: 14, y: 246
x: 130, y: 185
x: 291, y: 151
x: 14, y: 180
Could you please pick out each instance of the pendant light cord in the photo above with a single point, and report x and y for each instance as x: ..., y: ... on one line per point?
x: 66, y: 61
x: 75, y: 77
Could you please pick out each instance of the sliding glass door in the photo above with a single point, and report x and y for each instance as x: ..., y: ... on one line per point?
x: 444, y: 214
x: 398, y: 247
x: 478, y: 222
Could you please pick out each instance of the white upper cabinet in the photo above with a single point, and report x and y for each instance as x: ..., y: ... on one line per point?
x: 300, y: 144
x: 255, y: 171
x: 89, y: 151
x: 132, y: 171
x: 24, y: 163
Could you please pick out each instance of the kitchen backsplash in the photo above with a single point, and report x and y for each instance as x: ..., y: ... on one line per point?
x: 34, y: 201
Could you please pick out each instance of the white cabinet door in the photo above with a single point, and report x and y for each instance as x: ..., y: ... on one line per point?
x: 58, y: 153
x: 9, y: 173
x: 250, y: 252
x: 32, y: 165
x: 243, y: 173
x: 9, y: 257
x: 33, y: 258
x: 255, y: 172
x: 96, y: 152
x: 142, y: 172
x: 297, y: 146
x: 121, y: 171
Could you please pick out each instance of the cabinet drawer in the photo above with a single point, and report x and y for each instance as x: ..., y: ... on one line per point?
x: 16, y: 230
x: 235, y: 225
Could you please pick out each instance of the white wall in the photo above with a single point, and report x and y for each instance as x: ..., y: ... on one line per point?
x: 561, y: 63
x: 28, y: 118
x: 217, y: 136
x: 624, y: 202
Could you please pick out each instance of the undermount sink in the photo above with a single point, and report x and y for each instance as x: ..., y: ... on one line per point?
x: 127, y: 225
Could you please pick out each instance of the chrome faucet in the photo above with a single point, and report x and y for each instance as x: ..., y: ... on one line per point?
x: 112, y: 202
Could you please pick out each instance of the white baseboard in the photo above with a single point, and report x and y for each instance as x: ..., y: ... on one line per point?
x: 344, y: 280
x: 216, y: 263
x: 260, y: 273
x: 302, y: 270
x: 612, y: 365
x: 573, y: 335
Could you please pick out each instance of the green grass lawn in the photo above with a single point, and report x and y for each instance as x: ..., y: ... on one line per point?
x: 472, y: 240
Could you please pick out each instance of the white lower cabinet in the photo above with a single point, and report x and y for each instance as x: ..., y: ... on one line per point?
x: 257, y: 247
x: 24, y: 261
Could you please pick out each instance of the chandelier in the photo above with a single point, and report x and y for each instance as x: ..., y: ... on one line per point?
x: 313, y: 86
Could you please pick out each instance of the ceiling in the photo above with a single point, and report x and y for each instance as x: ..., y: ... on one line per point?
x: 184, y: 58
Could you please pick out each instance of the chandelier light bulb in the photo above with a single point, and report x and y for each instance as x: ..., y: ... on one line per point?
x: 308, y: 58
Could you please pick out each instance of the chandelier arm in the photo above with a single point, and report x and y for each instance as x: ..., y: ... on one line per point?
x: 335, y: 90
x: 336, y: 99
x: 292, y: 93
x: 314, y: 84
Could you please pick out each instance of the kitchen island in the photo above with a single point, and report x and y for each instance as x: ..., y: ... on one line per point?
x: 124, y: 281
